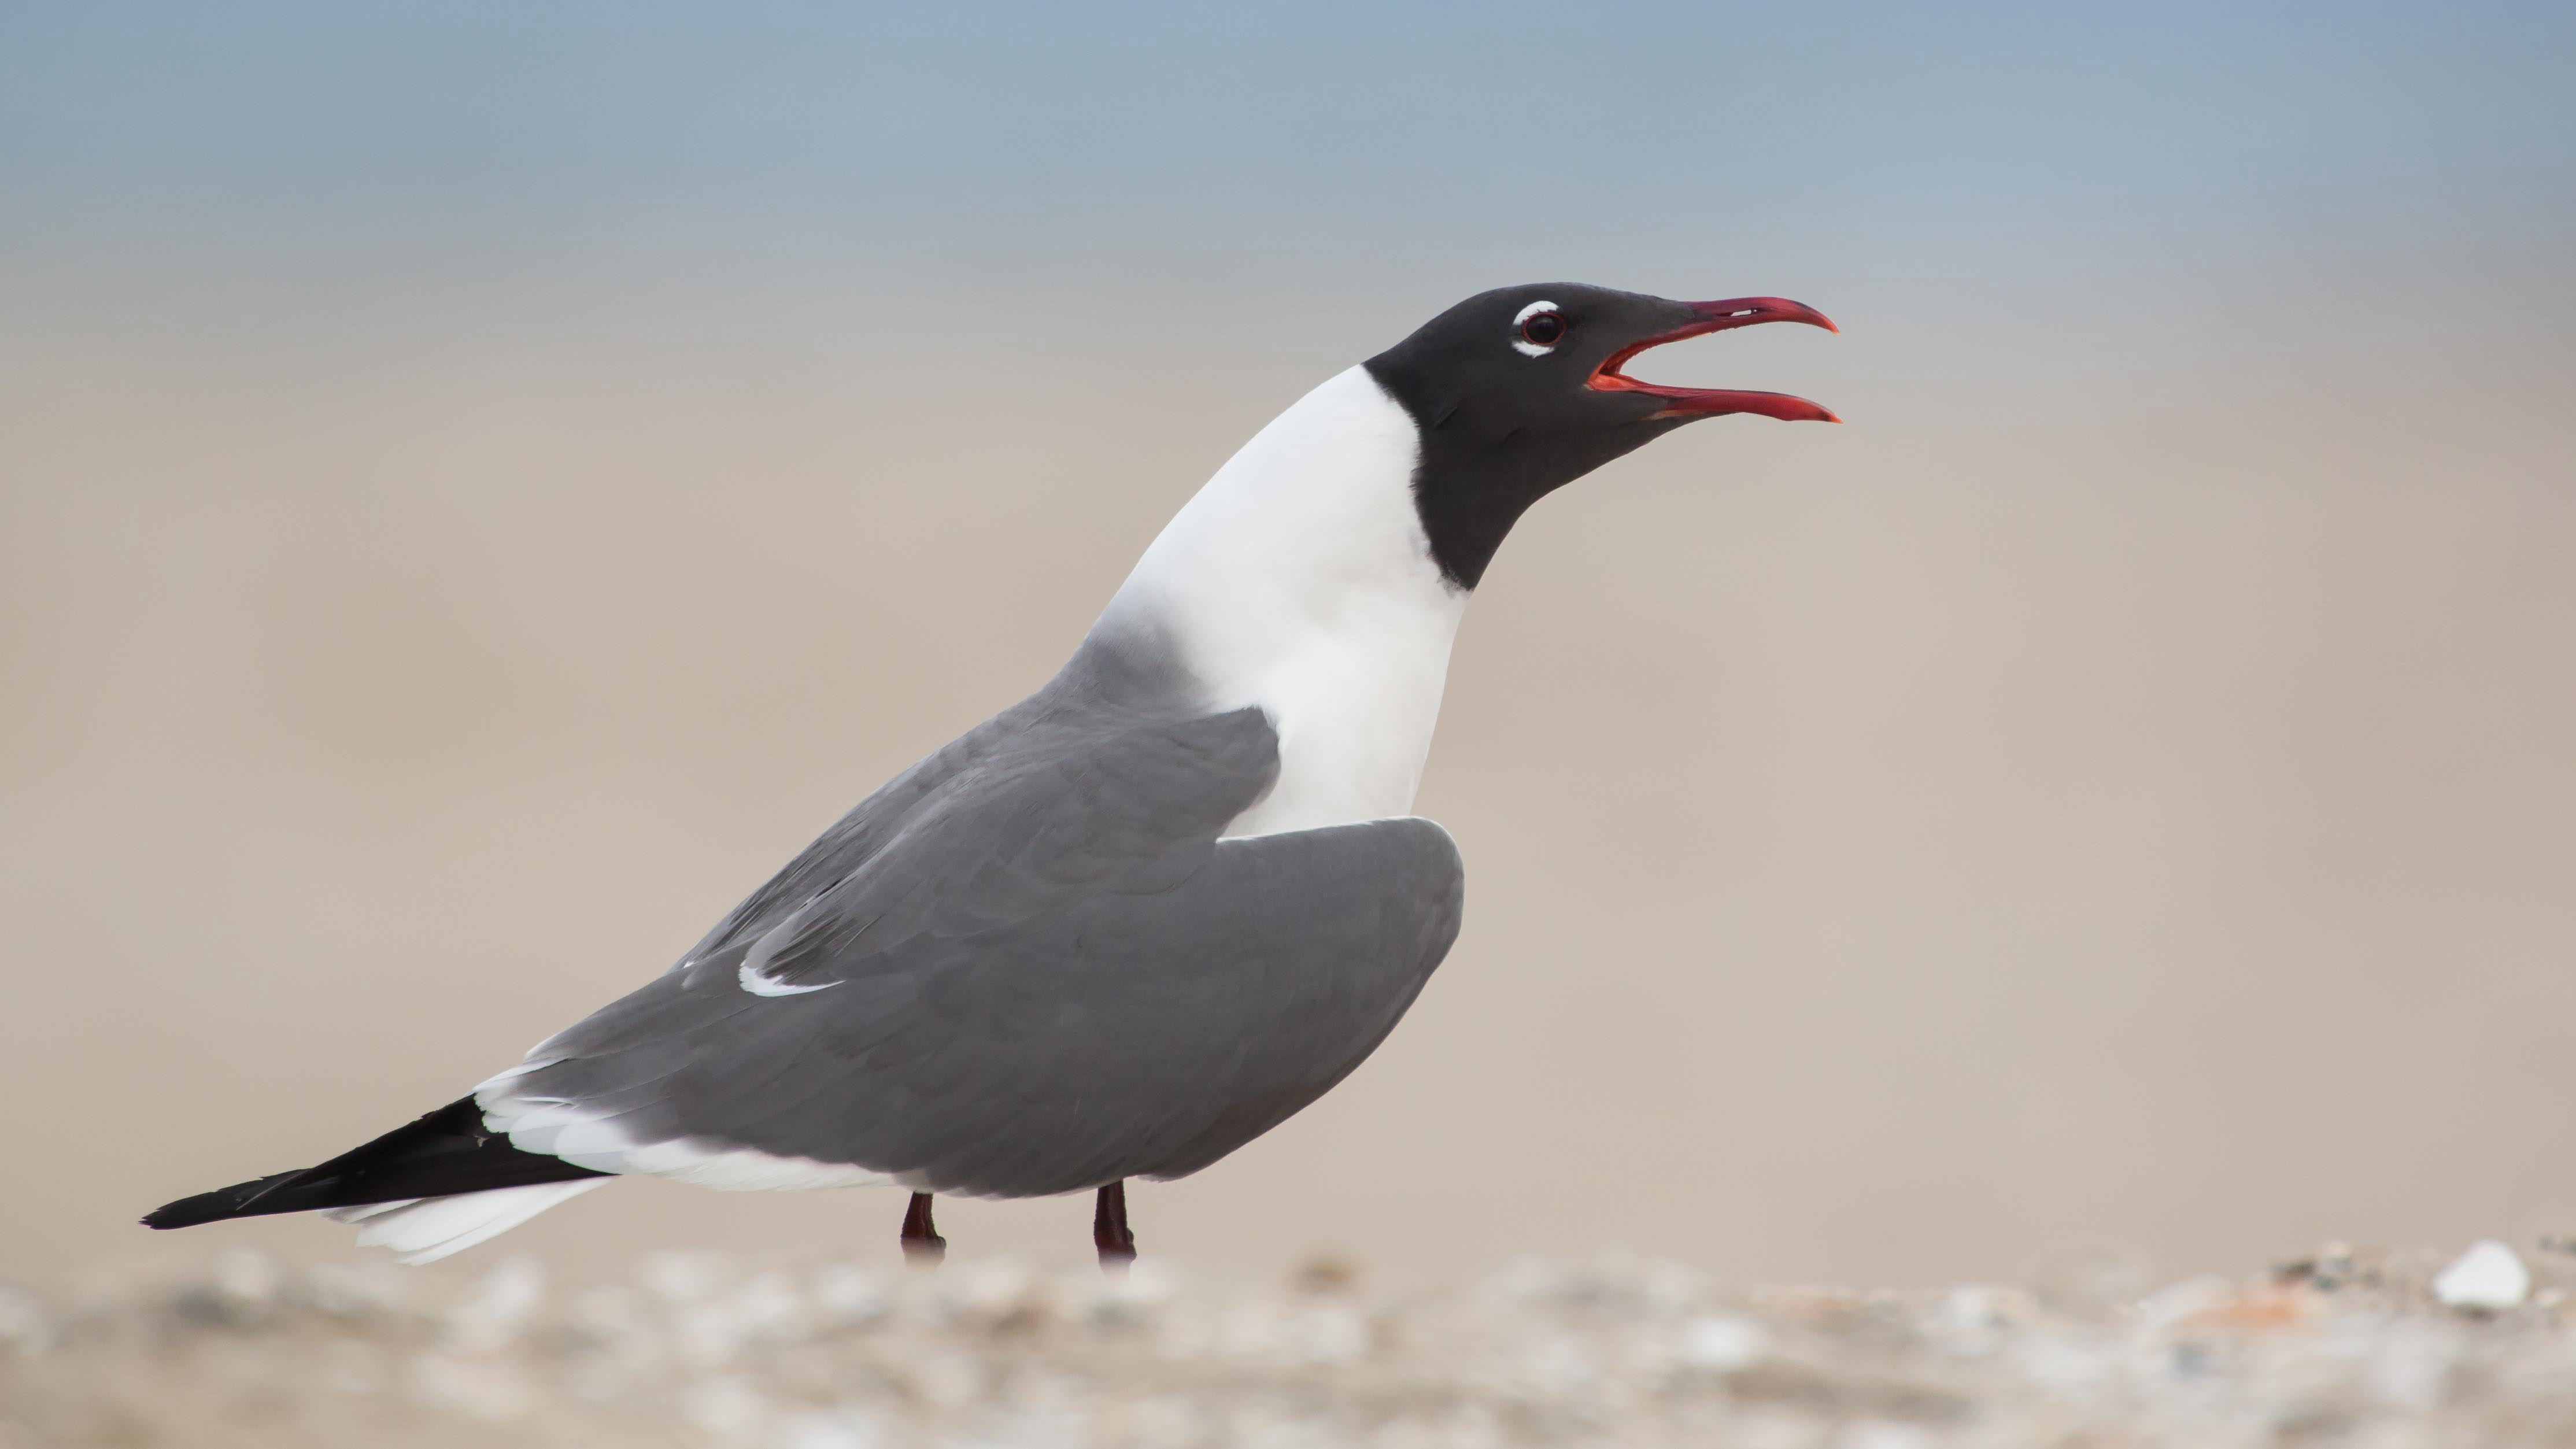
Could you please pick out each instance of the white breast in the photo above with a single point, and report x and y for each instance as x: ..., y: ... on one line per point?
x: 1299, y: 581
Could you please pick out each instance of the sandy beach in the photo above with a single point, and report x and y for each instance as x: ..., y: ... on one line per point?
x: 2342, y: 1347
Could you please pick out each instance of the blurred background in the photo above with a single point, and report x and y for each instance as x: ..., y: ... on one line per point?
x: 481, y: 485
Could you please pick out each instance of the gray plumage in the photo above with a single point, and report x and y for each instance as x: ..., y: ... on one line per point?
x: 1028, y: 965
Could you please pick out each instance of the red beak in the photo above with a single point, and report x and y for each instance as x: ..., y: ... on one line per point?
x: 1703, y: 402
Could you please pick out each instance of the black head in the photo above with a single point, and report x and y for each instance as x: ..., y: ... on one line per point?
x: 1518, y: 392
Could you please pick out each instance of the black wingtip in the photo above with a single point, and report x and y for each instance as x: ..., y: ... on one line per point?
x: 447, y: 1151
x: 238, y: 1200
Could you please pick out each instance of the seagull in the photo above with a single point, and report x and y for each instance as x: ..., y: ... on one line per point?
x: 1139, y: 918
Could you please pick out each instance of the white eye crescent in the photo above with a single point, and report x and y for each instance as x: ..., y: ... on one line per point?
x: 1538, y: 327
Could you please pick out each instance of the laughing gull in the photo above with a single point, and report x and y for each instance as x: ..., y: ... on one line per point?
x: 1137, y: 919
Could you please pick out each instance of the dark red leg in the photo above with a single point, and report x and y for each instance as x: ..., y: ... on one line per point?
x: 921, y: 1241
x: 1109, y: 1228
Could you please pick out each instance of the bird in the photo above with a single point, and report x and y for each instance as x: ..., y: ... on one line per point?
x: 1139, y: 918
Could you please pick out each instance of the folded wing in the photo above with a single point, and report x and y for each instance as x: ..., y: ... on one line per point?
x: 1044, y: 973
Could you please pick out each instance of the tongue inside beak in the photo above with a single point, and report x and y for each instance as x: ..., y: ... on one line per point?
x: 1704, y: 402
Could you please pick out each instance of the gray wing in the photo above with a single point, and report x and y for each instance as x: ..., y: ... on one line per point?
x: 1046, y: 974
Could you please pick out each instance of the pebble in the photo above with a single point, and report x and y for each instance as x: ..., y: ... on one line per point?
x: 1723, y: 1343
x: 2488, y: 1278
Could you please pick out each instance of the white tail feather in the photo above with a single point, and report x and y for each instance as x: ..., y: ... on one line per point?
x: 428, y: 1229
x: 366, y: 1210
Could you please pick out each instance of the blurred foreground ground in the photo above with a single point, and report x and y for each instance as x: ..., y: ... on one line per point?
x: 2343, y: 1348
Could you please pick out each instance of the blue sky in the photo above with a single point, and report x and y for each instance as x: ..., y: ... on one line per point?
x: 1475, y: 134
x: 2027, y: 195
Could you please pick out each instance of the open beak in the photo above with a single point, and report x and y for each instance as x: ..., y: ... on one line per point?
x: 1705, y: 402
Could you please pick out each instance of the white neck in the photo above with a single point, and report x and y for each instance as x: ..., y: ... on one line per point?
x: 1299, y: 581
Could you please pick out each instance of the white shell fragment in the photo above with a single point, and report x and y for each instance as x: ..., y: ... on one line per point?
x: 1723, y: 1343
x: 2489, y: 1276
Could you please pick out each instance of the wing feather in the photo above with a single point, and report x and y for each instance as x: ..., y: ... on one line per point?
x: 1049, y: 973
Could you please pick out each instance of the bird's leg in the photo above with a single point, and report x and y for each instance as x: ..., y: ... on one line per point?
x: 1109, y: 1228
x: 921, y: 1241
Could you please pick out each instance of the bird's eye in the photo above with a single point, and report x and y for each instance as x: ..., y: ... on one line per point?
x: 1541, y: 327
